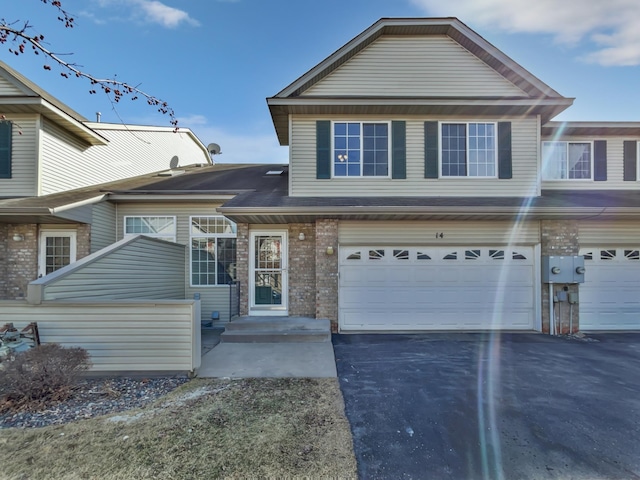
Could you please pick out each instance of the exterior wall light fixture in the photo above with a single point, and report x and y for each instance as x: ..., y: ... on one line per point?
x: 301, y: 236
x: 329, y: 250
x: 18, y: 237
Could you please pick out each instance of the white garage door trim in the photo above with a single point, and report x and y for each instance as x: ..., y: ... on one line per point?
x: 386, y: 288
x: 610, y: 295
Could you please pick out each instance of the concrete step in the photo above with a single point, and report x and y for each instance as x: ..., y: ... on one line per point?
x: 276, y: 329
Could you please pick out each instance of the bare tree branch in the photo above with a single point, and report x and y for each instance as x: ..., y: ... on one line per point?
x: 18, y: 35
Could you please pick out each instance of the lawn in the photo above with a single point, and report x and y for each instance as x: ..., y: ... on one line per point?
x: 204, y: 429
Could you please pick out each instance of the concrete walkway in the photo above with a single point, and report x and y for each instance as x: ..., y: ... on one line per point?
x: 251, y: 360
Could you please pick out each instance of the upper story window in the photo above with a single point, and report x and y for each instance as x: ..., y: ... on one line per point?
x: 213, y: 251
x: 361, y: 149
x: 567, y: 160
x: 157, y: 227
x: 468, y: 150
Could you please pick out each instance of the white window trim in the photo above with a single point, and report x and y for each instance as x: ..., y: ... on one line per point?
x: 367, y: 177
x: 467, y: 123
x: 637, y: 161
x: 216, y: 236
x: 44, y: 233
x: 171, y: 238
x: 567, y: 142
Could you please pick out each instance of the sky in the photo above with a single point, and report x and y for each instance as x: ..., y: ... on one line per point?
x: 216, y: 61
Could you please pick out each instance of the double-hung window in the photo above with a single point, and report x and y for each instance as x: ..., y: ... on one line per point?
x: 157, y: 227
x: 213, y: 251
x: 468, y: 150
x: 361, y: 149
x: 567, y: 160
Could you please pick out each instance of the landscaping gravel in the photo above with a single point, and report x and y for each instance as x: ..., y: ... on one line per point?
x: 95, y: 397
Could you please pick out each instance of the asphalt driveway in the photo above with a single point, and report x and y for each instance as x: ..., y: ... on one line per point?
x: 510, y: 406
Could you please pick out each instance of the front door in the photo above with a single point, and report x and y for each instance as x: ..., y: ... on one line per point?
x: 268, y: 273
x: 57, y: 250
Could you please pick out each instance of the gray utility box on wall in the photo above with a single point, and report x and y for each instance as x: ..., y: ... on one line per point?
x: 563, y: 269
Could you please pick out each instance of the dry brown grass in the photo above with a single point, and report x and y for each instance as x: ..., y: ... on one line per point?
x: 203, y: 430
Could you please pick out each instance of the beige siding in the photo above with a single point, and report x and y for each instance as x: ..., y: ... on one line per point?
x: 67, y: 163
x: 103, y: 226
x: 428, y: 233
x: 213, y: 298
x: 614, y: 168
x: 24, y: 158
x: 120, y: 336
x: 144, y: 268
x: 433, y: 66
x: 609, y: 232
x: 303, y: 165
x: 8, y: 89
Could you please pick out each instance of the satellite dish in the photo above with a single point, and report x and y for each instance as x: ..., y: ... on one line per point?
x: 214, y: 149
x: 175, y: 161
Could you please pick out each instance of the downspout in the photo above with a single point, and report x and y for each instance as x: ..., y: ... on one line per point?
x: 552, y: 311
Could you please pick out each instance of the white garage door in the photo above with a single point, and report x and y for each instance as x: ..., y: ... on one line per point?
x: 610, y: 295
x: 436, y: 288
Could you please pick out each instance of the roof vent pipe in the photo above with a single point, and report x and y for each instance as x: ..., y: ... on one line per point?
x: 98, y: 115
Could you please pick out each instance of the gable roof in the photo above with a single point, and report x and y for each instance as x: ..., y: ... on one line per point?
x: 537, y: 97
x: 34, y: 99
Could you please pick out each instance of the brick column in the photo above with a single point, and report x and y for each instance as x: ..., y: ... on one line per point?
x: 4, y: 239
x: 242, y: 266
x: 302, y: 270
x: 21, y: 259
x: 559, y: 238
x: 327, y: 271
x: 83, y: 241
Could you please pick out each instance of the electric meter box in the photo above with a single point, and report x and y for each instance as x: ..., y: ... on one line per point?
x: 568, y: 269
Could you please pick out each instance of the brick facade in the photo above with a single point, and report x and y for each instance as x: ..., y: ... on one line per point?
x: 327, y: 271
x: 242, y: 266
x: 302, y: 270
x: 4, y: 240
x: 559, y: 238
x: 21, y: 260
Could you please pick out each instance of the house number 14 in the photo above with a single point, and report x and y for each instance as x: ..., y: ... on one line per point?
x: 439, y: 235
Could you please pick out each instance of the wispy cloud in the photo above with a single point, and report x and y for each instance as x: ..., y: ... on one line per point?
x: 256, y: 146
x: 147, y: 11
x: 609, y: 28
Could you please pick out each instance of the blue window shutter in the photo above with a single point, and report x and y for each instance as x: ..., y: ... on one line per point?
x: 630, y: 149
x: 5, y: 149
x: 504, y: 150
x: 398, y: 149
x: 430, y: 149
x: 600, y: 160
x: 323, y: 149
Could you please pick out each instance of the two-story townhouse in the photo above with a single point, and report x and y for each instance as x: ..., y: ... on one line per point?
x: 426, y: 182
x: 46, y: 149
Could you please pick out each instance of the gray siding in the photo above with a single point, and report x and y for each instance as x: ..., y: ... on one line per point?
x: 433, y: 66
x: 303, y: 165
x: 24, y: 158
x: 103, y: 226
x: 120, y: 336
x: 67, y: 163
x: 212, y: 298
x: 142, y: 268
x: 602, y: 233
x: 424, y: 233
x: 614, y: 168
x: 8, y: 89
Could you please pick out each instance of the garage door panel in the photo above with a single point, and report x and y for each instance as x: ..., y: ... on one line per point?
x: 433, y: 289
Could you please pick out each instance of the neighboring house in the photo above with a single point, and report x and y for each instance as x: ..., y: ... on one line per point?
x: 425, y: 184
x: 47, y: 148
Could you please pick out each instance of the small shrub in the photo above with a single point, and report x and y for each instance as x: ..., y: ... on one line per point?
x: 40, y: 375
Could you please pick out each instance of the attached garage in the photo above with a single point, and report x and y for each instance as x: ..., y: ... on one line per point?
x: 610, y: 295
x: 399, y: 288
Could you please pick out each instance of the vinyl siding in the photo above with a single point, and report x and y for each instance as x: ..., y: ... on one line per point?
x: 142, y: 269
x: 603, y: 233
x: 8, y: 89
x: 120, y: 336
x: 302, y: 168
x: 67, y: 163
x: 24, y: 158
x: 433, y: 66
x: 213, y: 298
x: 103, y: 226
x: 424, y: 233
x: 614, y: 168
